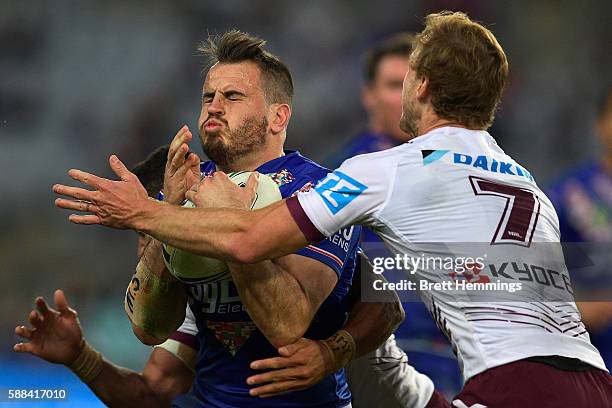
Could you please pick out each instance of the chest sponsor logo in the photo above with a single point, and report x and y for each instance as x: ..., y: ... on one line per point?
x: 479, y: 162
x: 232, y: 335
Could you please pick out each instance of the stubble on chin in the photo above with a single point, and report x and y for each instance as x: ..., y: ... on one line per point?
x: 245, y: 139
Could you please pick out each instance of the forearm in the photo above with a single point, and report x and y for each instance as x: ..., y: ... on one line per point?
x: 268, y: 291
x: 207, y: 232
x: 371, y: 323
x: 223, y: 233
x: 369, y: 326
x: 121, y: 387
x: 155, y: 300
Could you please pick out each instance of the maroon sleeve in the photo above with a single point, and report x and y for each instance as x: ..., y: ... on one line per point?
x: 311, y: 232
x: 187, y: 339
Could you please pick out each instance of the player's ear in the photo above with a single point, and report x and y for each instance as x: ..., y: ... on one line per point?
x: 422, y: 90
x: 280, y: 113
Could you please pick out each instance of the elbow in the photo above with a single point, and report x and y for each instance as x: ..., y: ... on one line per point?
x: 244, y: 249
x: 145, y: 338
x: 279, y: 340
x: 398, y: 315
x: 282, y: 335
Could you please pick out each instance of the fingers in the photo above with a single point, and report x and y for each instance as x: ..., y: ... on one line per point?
x: 77, y: 205
x: 24, y: 332
x: 178, y: 147
x: 178, y: 159
x: 86, y: 178
x: 276, y: 375
x: 74, y: 192
x: 24, y: 348
x: 84, y: 219
x: 278, y: 388
x: 251, y: 187
x: 182, y: 136
x: 291, y: 349
x: 274, y: 363
x: 41, y: 306
x: 61, y: 303
x: 35, y: 319
x: 119, y: 168
x: 194, y: 160
x: 191, y: 195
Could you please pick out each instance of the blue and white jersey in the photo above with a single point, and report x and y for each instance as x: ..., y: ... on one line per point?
x: 229, y: 340
x: 452, y: 195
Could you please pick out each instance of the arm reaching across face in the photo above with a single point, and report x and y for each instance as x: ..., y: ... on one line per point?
x: 228, y: 233
x: 224, y: 233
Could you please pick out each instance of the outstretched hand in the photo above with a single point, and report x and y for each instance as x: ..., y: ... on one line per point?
x: 182, y: 168
x: 55, y: 335
x: 301, y: 365
x: 115, y: 204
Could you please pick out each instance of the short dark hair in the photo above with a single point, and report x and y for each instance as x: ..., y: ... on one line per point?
x: 236, y: 46
x: 399, y: 44
x: 151, y: 170
x: 466, y: 67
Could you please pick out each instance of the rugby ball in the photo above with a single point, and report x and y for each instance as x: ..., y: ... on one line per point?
x: 192, y: 268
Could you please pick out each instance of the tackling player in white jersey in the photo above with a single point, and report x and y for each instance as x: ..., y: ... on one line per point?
x: 452, y: 184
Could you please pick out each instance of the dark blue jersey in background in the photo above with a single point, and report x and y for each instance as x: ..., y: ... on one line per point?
x: 583, y: 200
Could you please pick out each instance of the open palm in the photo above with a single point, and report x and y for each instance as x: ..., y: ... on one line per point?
x: 55, y: 335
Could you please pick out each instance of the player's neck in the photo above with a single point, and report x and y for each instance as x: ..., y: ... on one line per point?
x: 252, y: 161
x: 430, y: 120
x: 428, y: 127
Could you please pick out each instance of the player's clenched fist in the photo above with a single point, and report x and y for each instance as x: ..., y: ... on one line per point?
x: 54, y: 335
x: 182, y: 168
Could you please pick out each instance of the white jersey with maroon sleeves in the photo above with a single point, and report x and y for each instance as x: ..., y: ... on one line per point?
x: 454, y: 194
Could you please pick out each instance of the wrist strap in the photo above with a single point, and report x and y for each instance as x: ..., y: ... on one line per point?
x: 342, y: 348
x: 88, y: 364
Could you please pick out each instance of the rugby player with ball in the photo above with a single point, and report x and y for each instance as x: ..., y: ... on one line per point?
x: 527, y: 350
x: 260, y: 306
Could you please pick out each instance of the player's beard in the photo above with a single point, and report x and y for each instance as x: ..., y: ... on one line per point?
x: 409, y: 122
x: 245, y: 139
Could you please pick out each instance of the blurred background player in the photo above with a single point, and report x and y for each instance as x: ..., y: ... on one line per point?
x: 583, y: 200
x: 384, y: 69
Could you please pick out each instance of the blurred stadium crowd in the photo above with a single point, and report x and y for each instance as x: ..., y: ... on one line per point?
x: 80, y: 80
